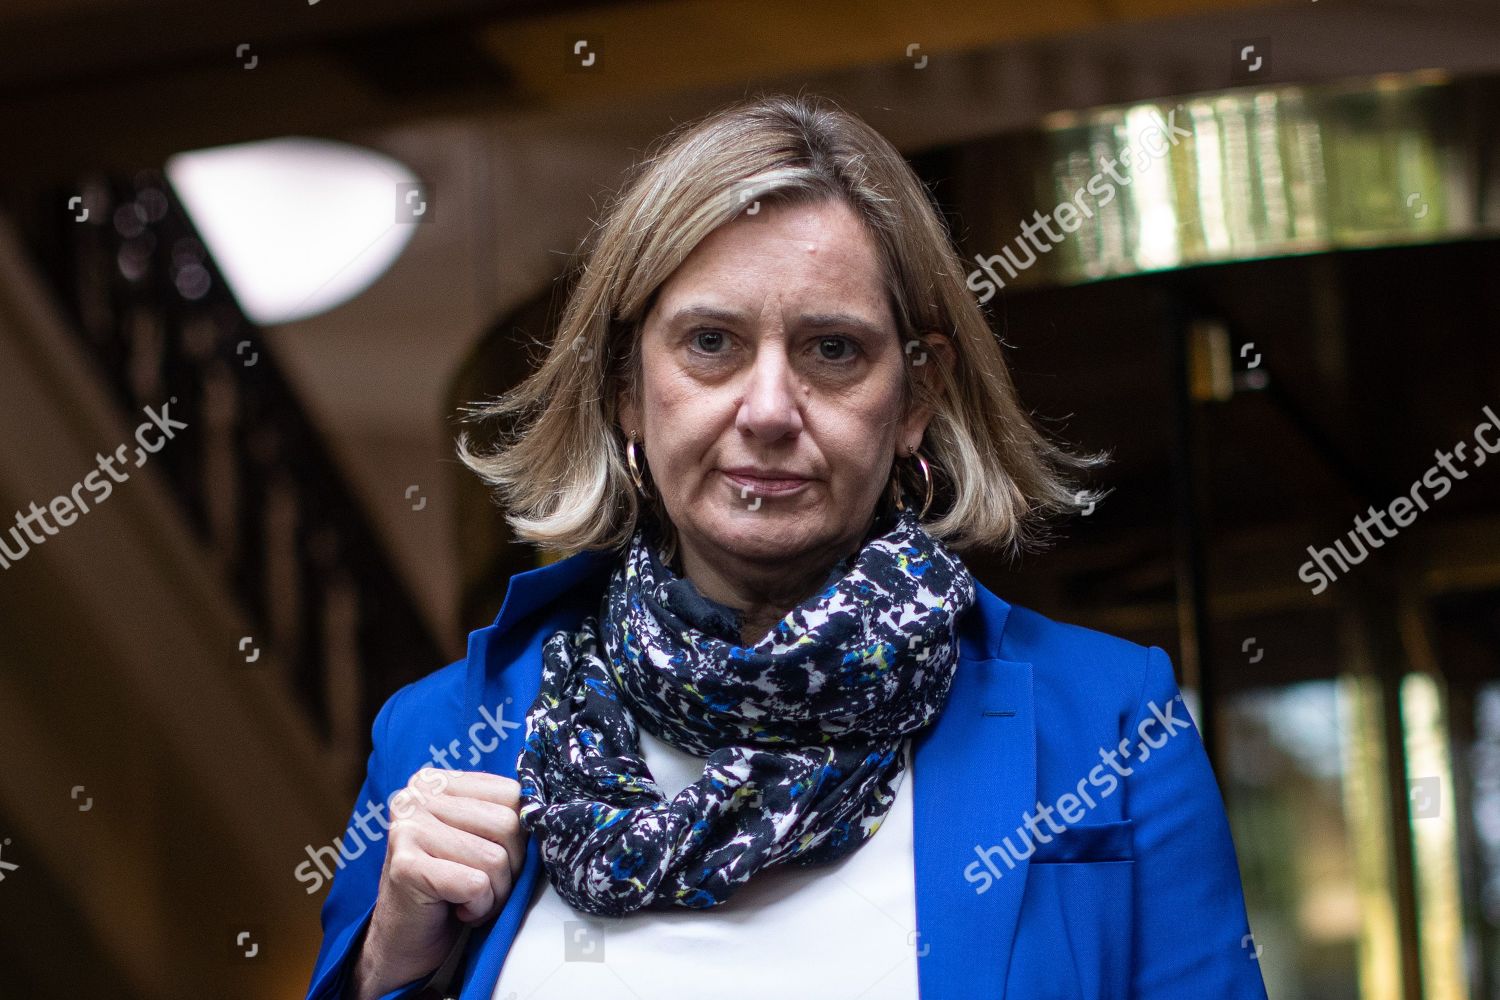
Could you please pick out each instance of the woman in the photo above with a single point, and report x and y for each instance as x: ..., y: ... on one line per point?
x: 777, y: 740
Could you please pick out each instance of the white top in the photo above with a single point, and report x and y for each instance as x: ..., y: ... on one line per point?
x: 836, y: 932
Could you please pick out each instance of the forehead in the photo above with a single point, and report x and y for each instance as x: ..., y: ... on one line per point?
x: 785, y: 250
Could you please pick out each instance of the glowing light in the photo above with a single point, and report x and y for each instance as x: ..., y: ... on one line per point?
x: 297, y: 225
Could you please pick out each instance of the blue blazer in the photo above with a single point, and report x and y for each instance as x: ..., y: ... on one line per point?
x: 1137, y: 896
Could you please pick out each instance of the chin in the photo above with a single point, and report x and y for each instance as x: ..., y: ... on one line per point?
x: 769, y: 534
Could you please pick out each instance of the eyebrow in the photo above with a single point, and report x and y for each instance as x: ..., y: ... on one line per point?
x: 815, y: 321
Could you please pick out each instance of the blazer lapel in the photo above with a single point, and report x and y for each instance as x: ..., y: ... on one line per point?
x: 504, y: 676
x: 975, y: 777
x: 526, y: 593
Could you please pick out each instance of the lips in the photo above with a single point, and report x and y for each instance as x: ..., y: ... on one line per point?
x: 767, y: 482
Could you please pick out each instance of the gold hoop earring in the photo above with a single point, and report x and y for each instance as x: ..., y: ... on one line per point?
x: 927, y: 483
x: 635, y: 469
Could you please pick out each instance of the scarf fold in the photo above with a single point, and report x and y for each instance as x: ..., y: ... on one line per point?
x: 801, y: 731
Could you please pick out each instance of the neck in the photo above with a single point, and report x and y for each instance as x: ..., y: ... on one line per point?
x: 763, y: 592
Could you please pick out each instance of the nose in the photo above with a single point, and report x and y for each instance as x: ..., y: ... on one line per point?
x: 769, y: 408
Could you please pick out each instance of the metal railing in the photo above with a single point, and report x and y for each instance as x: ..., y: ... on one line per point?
x: 254, y: 477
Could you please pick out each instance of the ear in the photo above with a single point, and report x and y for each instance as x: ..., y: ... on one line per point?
x: 937, y: 348
x: 629, y: 415
x: 627, y: 412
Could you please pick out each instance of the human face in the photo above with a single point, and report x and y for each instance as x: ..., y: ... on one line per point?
x: 770, y: 401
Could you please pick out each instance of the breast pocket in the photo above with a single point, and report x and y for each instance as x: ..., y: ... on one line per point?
x: 1087, y: 842
x: 1073, y: 939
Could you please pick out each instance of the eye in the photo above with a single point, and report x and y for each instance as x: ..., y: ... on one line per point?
x: 837, y: 348
x: 709, y: 341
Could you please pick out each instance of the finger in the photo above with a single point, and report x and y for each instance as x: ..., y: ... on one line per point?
x: 461, y: 847
x: 469, y: 889
x: 496, y: 823
x: 429, y: 783
x: 494, y: 788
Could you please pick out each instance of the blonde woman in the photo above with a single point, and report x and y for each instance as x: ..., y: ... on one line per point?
x: 777, y: 740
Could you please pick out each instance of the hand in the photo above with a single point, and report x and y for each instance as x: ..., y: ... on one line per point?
x: 453, y: 851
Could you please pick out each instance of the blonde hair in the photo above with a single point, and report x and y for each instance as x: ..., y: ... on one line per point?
x: 560, y: 465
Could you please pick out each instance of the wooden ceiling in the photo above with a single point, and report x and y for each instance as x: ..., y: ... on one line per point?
x: 110, y: 83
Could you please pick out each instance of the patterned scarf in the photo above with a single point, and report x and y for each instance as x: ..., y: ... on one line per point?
x: 800, y: 731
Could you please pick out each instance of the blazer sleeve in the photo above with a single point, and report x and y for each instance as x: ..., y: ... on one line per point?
x: 351, y: 899
x: 1192, y: 937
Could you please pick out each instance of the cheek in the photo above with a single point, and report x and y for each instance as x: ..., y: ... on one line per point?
x: 859, y: 445
x: 684, y: 422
